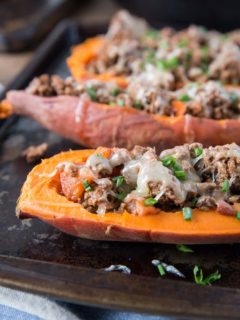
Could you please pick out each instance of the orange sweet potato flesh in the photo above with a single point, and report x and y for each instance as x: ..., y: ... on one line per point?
x: 41, y: 198
x: 82, y: 54
x: 92, y: 124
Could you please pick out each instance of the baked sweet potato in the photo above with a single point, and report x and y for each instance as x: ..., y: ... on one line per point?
x: 92, y: 124
x: 41, y: 197
x: 130, y: 48
x: 84, y: 53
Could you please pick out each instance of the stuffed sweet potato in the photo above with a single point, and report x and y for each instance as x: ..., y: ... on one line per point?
x: 96, y: 113
x: 171, y: 58
x: 188, y: 194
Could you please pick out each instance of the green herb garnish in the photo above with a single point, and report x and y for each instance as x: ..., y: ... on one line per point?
x: 187, y: 213
x: 99, y: 155
x: 198, y: 151
x: 225, y: 186
x: 180, y: 174
x: 121, y: 196
x: 199, y: 279
x: 183, y: 43
x: 171, y: 163
x: 112, y: 104
x: 120, y: 102
x: 169, y: 64
x: 238, y: 215
x: 152, y: 33
x: 92, y: 92
x: 87, y: 186
x: 184, y: 248
x: 161, y: 269
x: 118, y: 181
x: 150, y: 202
x: 185, y: 98
x: 115, y: 92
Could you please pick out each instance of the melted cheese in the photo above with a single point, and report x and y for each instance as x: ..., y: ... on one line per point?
x: 98, y: 164
x: 154, y: 171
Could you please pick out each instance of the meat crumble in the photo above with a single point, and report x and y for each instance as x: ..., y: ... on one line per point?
x: 209, y: 100
x: 186, y: 176
x: 131, y: 47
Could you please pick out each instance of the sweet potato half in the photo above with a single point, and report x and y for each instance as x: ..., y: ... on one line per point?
x: 41, y: 198
x: 92, y: 124
x: 85, y: 52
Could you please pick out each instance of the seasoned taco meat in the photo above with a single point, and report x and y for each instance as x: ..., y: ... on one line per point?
x: 187, y: 176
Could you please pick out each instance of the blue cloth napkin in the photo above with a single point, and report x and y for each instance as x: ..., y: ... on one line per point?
x: 18, y: 305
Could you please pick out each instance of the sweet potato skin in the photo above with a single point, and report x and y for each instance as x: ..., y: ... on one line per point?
x: 40, y: 198
x: 92, y: 124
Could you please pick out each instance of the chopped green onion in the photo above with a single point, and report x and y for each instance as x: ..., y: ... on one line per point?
x: 115, y: 92
x: 161, y: 269
x: 120, y: 102
x: 169, y: 161
x: 185, y: 98
x: 184, y: 248
x: 92, y: 92
x: 152, y: 33
x: 225, y: 186
x: 182, y: 43
x: 199, y: 279
x: 187, y: 213
x: 138, y: 105
x: 118, y: 181
x: 204, y: 53
x: 112, y: 104
x: 198, y: 151
x: 238, y: 215
x: 150, y: 202
x: 87, y: 186
x: 121, y: 196
x: 180, y: 174
x: 99, y: 155
x: 169, y: 64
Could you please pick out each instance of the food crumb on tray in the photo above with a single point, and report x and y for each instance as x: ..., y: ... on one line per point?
x: 33, y: 153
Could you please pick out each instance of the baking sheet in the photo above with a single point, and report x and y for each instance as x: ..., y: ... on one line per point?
x: 39, y: 243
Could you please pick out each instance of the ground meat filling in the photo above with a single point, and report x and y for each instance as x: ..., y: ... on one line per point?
x: 209, y: 100
x: 194, y: 54
x: 187, y: 176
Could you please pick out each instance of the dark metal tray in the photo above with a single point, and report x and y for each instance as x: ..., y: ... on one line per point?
x: 38, y: 258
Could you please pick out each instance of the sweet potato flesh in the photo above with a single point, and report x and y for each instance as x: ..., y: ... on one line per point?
x: 41, y: 198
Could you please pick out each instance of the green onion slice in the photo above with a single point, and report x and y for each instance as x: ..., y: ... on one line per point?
x: 199, y: 279
x: 92, y: 92
x: 185, y: 98
x: 118, y: 181
x: 120, y: 102
x: 198, y: 151
x: 150, y: 202
x: 225, y: 186
x: 87, y: 186
x: 184, y: 248
x: 161, y: 269
x: 187, y: 213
